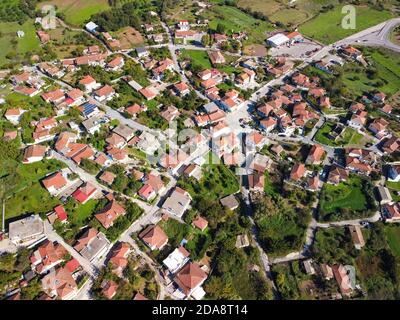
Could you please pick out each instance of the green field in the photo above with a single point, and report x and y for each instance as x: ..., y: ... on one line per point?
x: 326, y: 27
x: 198, y: 57
x: 349, y: 137
x: 393, y: 185
x: 77, y: 11
x: 393, y: 238
x: 347, y: 198
x: 235, y: 20
x: 27, y: 195
x: 9, y: 42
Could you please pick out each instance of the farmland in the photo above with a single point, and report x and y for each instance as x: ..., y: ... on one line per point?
x: 76, y: 11
x: 326, y: 27
x: 11, y: 46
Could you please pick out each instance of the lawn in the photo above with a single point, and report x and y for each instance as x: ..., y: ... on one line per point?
x: 346, y: 200
x: 198, y: 57
x: 175, y: 231
x: 28, y: 195
x: 349, y: 137
x: 77, y: 11
x: 393, y: 185
x: 9, y: 42
x: 392, y: 233
x: 217, y: 182
x: 236, y: 20
x: 326, y: 27
x: 80, y: 214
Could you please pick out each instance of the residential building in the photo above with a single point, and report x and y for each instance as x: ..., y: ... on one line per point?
x: 177, y: 203
x: 154, y: 237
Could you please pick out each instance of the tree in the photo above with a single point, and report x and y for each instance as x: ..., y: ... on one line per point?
x: 206, y: 40
x: 221, y: 28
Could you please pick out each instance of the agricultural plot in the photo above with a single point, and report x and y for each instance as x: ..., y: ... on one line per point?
x: 76, y: 12
x: 327, y: 27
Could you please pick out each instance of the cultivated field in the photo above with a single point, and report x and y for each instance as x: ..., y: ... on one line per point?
x: 129, y: 37
x: 77, y: 11
x: 10, y: 43
x: 326, y: 27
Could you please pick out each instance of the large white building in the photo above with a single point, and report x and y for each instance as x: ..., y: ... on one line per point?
x: 278, y: 40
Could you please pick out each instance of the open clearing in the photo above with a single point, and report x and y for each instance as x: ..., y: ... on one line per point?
x: 326, y: 27
x: 77, y: 11
x: 10, y: 42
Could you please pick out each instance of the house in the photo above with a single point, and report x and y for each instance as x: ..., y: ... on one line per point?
x: 135, y: 109
x: 298, y: 171
x: 183, y: 25
x: 242, y: 241
x: 170, y: 113
x: 307, y: 264
x: 75, y: 97
x: 105, y: 93
x: 173, y: 160
x: 115, y: 64
x: 313, y: 183
x: 216, y: 57
x: 55, y: 96
x: 357, y: 236
x: 391, y: 212
x: 256, y: 182
x: 149, y: 93
x: 384, y: 195
x: 91, y: 27
x: 356, y: 106
x: 154, y: 237
x: 181, y: 89
x: 14, y: 115
x: 200, y: 223
x: 60, y: 283
x: 91, y: 125
x: 89, y: 83
x: 147, y: 193
x: 47, y: 255
x: 176, y: 259
x: 92, y: 244
x: 190, y: 278
x: 111, y: 212
x: 26, y: 231
x: 379, y: 97
x: 343, y: 279
x: 358, y: 119
x: 50, y: 70
x: 268, y: 124
x: 118, y: 257
x: 142, y: 52
x: 315, y: 155
x: 351, y: 52
x: 394, y: 173
x: 177, y: 203
x: 337, y: 175
x: 54, y: 182
x: 34, y: 153
x: 139, y: 296
x: 27, y: 91
x: 379, y: 127
x: 85, y: 192
x: 193, y: 170
x: 107, y: 177
x: 109, y: 288
x: 326, y: 271
x: 155, y: 181
x: 229, y: 202
x: 61, y: 214
x: 391, y: 145
x: 124, y: 131
x: 115, y: 140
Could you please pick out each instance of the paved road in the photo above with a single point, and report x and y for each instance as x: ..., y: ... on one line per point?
x: 378, y: 35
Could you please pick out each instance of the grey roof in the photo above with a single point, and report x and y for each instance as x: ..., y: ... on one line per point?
x: 384, y: 194
x: 25, y: 228
x: 95, y: 246
x: 230, y: 202
x: 124, y: 131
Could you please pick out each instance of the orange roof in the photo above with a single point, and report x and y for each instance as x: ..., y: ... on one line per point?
x: 154, y: 236
x: 110, y: 213
x: 190, y: 277
x: 55, y: 180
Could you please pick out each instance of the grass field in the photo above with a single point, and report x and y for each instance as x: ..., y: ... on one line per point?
x: 326, y: 27
x: 9, y: 42
x: 77, y: 11
x: 349, y: 137
x: 235, y: 20
x: 28, y: 195
x: 393, y: 238
x: 393, y: 185
x: 82, y: 213
x: 346, y: 195
x: 199, y: 57
x: 387, y: 79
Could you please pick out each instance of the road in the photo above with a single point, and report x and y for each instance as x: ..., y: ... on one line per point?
x: 378, y: 35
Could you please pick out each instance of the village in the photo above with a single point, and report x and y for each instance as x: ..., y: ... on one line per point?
x: 140, y: 163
